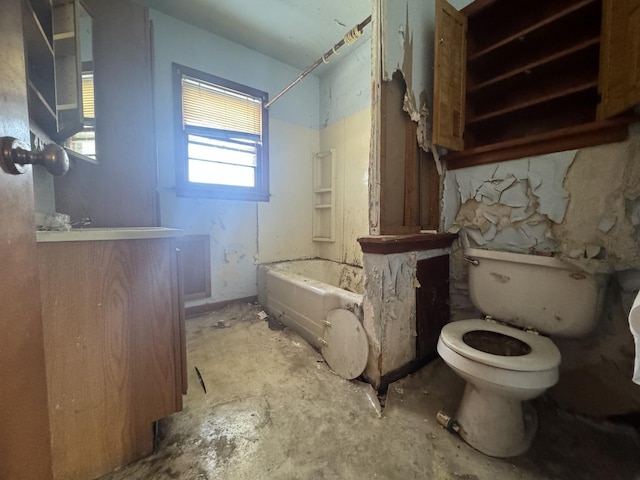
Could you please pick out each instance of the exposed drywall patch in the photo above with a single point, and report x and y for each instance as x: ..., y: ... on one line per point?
x: 234, y: 253
x: 351, y: 280
x: 604, y: 211
x: 409, y: 103
x: 411, y: 57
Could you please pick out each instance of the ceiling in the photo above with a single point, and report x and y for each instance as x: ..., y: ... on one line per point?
x: 296, y: 32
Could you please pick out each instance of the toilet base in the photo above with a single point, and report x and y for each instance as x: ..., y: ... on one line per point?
x: 495, y: 425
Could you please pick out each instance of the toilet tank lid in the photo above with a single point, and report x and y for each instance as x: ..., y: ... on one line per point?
x: 533, y: 291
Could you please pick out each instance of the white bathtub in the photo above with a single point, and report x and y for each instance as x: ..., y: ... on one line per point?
x: 301, y: 293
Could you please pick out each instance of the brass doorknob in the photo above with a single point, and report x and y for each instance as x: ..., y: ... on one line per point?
x: 13, y: 157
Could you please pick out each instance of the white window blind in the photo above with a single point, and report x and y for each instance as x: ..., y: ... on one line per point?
x: 88, y: 103
x: 210, y: 106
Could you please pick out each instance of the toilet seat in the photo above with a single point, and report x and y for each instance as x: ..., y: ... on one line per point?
x: 544, y: 354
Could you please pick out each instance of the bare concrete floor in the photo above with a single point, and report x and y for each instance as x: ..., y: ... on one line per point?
x: 274, y: 410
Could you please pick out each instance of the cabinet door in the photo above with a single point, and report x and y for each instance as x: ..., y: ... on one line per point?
x: 619, y: 81
x: 66, y: 46
x: 450, y: 78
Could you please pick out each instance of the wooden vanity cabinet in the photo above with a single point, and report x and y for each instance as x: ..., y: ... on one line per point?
x: 114, y: 349
x: 522, y: 77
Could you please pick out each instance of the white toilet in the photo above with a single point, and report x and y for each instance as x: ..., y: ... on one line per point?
x: 505, y: 365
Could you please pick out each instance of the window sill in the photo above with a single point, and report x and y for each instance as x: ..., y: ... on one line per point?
x: 221, y: 193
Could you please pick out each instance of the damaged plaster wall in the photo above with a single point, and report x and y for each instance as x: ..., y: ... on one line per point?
x: 508, y: 205
x: 345, y: 113
x: 242, y: 233
x: 581, y: 206
x: 389, y: 308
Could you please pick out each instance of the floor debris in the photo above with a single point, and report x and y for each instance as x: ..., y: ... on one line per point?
x: 274, y: 413
x: 201, y: 380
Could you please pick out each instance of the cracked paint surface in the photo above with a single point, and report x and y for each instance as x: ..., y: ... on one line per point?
x: 408, y: 50
x: 389, y: 307
x: 508, y: 206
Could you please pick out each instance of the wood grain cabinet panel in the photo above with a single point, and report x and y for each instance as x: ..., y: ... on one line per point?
x: 113, y: 347
x: 539, y: 77
x: 619, y: 57
x: 450, y: 84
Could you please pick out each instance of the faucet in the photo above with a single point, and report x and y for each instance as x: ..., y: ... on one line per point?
x: 83, y: 222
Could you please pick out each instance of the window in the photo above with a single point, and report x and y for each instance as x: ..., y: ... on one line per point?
x: 84, y: 142
x: 221, y: 138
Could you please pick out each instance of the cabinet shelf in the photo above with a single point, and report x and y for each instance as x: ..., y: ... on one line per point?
x: 528, y: 63
x: 65, y: 44
x: 40, y: 111
x: 532, y: 77
x: 540, y: 75
x: 535, y: 100
x: 41, y: 11
x: 528, y: 89
x: 324, y: 196
x: 558, y: 113
x: 579, y: 136
x: 38, y: 35
x: 573, y: 62
x: 520, y: 24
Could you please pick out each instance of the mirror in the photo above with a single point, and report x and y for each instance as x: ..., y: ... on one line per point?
x: 73, y: 46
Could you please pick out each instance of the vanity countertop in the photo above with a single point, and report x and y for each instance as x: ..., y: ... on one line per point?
x: 121, y: 233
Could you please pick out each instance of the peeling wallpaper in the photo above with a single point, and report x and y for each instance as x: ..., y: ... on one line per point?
x: 509, y: 205
x: 583, y: 205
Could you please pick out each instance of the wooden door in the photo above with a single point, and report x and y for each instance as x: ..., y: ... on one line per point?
x: 24, y: 425
x: 619, y: 81
x: 450, y: 81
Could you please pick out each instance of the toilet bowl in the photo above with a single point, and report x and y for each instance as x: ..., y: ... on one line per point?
x: 506, y: 365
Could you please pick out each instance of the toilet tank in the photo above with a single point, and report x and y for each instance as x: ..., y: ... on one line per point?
x: 531, y: 291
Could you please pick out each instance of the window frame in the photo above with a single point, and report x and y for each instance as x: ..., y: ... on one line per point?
x: 186, y: 188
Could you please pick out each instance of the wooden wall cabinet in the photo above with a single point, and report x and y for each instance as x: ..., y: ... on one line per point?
x: 68, y: 66
x: 52, y: 51
x: 114, y: 349
x: 521, y: 78
x: 37, y: 22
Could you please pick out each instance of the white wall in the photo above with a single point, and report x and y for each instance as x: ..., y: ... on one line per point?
x: 242, y: 233
x: 345, y: 113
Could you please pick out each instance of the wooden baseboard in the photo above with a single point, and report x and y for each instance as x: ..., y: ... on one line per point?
x: 212, y: 307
